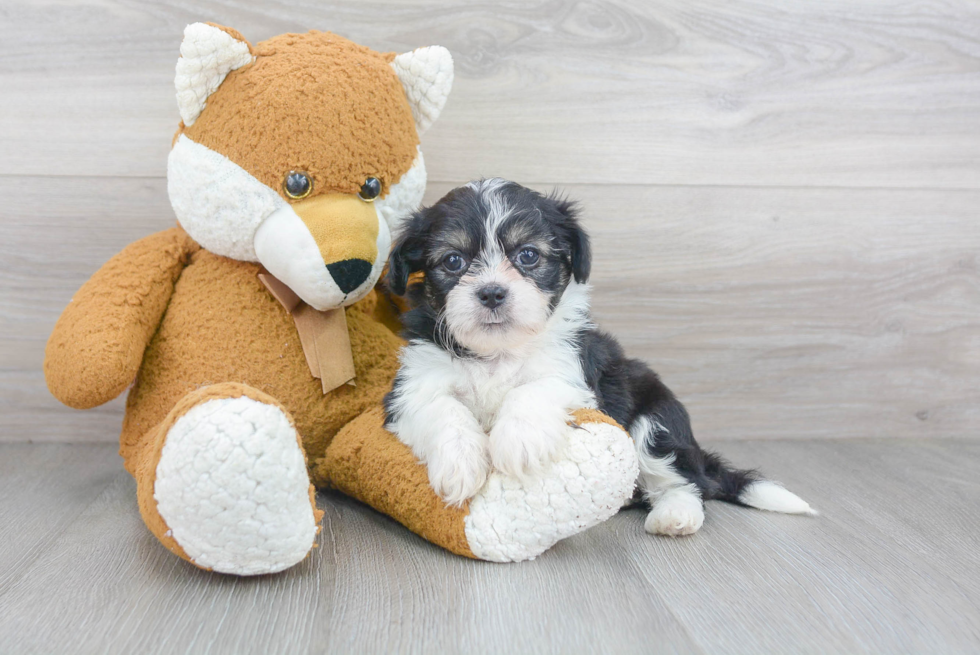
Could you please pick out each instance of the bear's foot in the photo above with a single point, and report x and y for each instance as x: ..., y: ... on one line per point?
x: 507, y: 520
x: 512, y: 520
x: 231, y: 487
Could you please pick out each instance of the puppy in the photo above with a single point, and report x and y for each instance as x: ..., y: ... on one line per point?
x: 502, y: 348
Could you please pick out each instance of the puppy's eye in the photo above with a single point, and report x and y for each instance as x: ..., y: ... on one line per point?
x: 297, y: 184
x: 528, y: 257
x: 453, y: 262
x: 370, y: 190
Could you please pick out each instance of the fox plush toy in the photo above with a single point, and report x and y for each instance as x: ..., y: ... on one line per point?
x: 254, y: 344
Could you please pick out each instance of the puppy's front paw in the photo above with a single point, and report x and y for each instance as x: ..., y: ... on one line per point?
x: 459, y: 466
x: 521, y: 445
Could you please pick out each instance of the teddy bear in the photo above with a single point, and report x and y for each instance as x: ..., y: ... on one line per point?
x: 253, y: 337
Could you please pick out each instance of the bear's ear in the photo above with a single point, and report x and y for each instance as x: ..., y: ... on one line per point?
x: 208, y: 53
x: 427, y: 76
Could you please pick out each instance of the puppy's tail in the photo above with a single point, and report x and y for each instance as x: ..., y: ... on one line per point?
x: 774, y: 497
x: 722, y: 482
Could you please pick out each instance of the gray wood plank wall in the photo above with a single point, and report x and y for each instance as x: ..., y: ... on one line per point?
x: 784, y: 196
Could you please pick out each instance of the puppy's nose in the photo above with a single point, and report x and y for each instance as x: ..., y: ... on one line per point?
x: 491, y: 295
x: 350, y: 273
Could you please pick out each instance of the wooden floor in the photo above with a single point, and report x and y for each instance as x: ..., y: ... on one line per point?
x: 891, y: 566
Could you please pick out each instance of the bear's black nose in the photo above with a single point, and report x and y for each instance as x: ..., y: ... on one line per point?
x: 350, y: 273
x: 491, y: 296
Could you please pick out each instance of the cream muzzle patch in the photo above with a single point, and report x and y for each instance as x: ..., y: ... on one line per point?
x: 331, y: 256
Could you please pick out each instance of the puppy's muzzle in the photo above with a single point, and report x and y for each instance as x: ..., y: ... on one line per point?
x: 491, y: 296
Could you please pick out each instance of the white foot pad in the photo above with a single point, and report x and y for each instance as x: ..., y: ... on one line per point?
x: 677, y: 512
x: 233, y: 488
x: 511, y: 521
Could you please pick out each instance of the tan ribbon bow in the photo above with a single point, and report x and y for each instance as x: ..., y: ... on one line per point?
x: 324, y: 336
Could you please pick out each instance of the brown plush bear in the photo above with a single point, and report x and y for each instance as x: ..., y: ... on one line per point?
x: 256, y: 345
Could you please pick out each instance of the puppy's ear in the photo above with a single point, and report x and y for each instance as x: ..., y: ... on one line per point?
x: 580, y: 249
x: 408, y: 253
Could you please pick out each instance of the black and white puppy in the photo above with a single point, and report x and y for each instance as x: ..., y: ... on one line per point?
x: 502, y: 348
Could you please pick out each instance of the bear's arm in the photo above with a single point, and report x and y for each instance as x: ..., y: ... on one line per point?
x: 97, y: 345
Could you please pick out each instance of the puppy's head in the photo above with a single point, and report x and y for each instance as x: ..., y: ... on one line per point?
x: 496, y: 259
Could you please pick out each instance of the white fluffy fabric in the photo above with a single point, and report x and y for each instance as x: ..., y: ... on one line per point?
x: 405, y: 196
x: 207, y: 55
x: 511, y: 521
x: 218, y: 202
x: 233, y: 488
x: 427, y: 76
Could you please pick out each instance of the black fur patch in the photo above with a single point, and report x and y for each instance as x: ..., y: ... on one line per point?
x: 627, y: 389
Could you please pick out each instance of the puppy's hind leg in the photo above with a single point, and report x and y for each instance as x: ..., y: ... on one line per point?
x: 677, y: 476
x: 676, y: 505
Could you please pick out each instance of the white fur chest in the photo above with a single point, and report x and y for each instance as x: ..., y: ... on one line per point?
x: 482, y: 384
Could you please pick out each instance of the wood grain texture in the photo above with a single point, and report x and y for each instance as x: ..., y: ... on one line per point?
x: 838, y: 93
x: 865, y: 574
x: 432, y: 601
x: 889, y: 566
x: 43, y: 489
x: 776, y: 313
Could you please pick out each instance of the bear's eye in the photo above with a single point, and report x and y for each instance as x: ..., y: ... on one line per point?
x: 297, y: 185
x: 453, y: 262
x: 528, y: 257
x: 370, y: 190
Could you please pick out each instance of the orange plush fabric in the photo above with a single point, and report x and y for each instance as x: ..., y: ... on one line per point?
x: 582, y: 416
x: 97, y: 345
x: 363, y: 126
x: 223, y: 325
x: 364, y: 450
x: 224, y: 335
